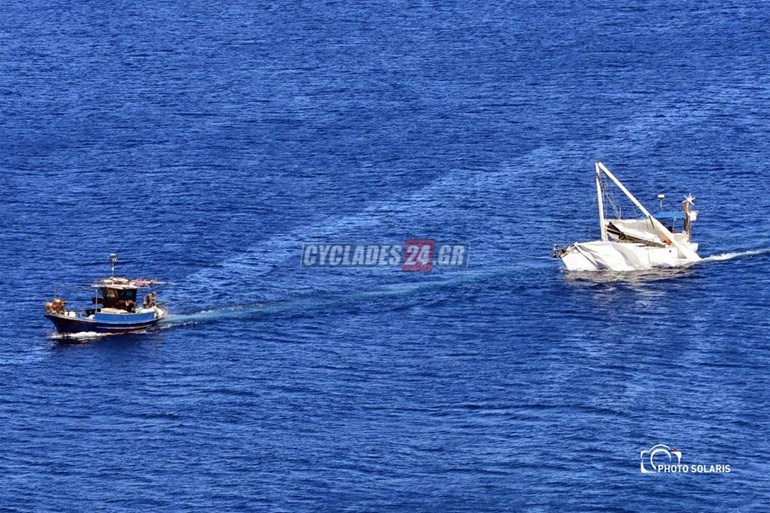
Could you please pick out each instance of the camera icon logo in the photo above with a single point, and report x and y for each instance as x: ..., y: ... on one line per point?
x: 661, y: 452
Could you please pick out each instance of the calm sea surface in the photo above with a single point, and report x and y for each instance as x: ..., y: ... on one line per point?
x: 205, y: 142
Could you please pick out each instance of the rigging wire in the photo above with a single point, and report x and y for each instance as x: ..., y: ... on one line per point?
x: 610, y: 199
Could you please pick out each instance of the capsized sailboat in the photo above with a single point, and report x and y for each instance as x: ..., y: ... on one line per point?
x: 651, y: 241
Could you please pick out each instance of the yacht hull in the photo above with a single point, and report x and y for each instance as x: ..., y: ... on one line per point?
x: 620, y: 257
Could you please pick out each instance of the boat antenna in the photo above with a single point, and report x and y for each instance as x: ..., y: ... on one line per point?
x: 113, y: 261
x: 661, y: 197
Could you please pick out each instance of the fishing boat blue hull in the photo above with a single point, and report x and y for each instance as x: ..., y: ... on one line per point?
x: 104, y: 323
x: 114, y: 307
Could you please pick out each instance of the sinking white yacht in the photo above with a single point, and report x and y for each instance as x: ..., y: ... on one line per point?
x: 661, y: 240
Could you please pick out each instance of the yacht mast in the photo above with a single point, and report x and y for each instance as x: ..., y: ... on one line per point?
x: 600, y: 198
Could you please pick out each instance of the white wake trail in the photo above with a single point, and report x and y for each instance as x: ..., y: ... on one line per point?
x: 722, y: 257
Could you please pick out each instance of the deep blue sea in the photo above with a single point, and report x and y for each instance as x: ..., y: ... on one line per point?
x: 205, y: 142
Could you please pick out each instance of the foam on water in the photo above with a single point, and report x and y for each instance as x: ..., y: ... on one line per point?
x: 386, y: 291
x: 722, y: 257
x: 84, y: 335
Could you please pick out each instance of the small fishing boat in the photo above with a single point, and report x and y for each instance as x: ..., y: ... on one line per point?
x: 636, y: 244
x: 113, y: 308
